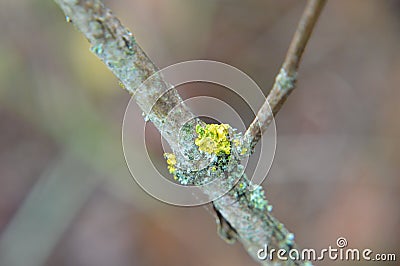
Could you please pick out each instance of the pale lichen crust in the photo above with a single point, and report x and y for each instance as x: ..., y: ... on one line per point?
x: 223, y: 148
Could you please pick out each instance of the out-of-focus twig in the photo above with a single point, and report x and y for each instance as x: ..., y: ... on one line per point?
x: 285, y: 81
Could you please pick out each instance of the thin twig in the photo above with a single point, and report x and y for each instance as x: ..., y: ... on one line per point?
x: 285, y: 81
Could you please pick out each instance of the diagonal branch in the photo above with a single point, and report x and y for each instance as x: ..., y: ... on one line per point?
x: 285, y: 81
x: 116, y: 47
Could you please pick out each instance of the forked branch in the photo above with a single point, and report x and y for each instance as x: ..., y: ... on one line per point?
x: 117, y: 48
x: 285, y: 81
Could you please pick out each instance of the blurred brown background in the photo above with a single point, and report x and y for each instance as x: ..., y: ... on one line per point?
x: 66, y: 195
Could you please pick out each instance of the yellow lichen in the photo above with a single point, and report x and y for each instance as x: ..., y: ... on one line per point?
x: 171, y: 162
x: 121, y: 85
x: 213, y: 139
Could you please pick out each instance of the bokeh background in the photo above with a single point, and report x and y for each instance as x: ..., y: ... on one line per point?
x: 66, y: 195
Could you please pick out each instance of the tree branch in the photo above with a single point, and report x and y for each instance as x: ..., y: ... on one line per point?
x: 285, y: 81
x: 117, y: 48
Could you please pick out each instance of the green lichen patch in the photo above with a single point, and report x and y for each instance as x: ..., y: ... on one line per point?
x: 257, y: 198
x: 285, y: 81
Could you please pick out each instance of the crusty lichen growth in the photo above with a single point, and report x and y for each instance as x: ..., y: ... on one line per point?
x: 213, y: 139
x: 257, y: 198
x: 284, y: 81
x: 241, y: 146
x: 223, y: 149
x: 171, y: 162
